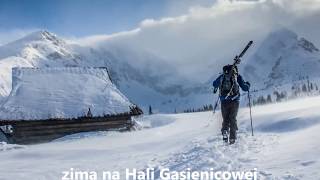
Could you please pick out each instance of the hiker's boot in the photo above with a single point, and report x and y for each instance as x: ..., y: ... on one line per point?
x: 225, y: 136
x: 233, y: 136
x: 232, y: 141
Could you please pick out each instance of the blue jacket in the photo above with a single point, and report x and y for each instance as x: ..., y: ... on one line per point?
x: 245, y: 86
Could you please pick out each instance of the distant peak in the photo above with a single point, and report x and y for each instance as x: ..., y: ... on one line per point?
x: 284, y: 32
x: 284, y: 35
x: 45, y: 33
x: 41, y: 35
x: 289, y: 37
x: 280, y: 39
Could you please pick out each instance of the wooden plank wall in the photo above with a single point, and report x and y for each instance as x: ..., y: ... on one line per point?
x: 39, y: 131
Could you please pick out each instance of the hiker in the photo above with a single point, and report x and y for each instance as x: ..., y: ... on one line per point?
x: 228, y: 84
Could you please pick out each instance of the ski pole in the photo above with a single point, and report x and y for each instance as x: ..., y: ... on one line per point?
x: 216, y: 105
x: 250, y: 112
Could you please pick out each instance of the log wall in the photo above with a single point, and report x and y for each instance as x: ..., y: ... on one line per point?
x: 39, y: 131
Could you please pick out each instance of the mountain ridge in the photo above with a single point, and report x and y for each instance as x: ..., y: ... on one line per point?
x: 148, y: 80
x: 282, y: 58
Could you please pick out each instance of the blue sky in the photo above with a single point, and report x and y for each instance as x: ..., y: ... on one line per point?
x: 87, y: 17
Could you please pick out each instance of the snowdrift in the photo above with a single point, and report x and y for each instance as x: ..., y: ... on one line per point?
x: 64, y: 92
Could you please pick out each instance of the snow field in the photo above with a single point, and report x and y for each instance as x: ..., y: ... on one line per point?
x: 181, y: 141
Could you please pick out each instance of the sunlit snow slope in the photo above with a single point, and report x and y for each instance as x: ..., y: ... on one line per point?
x: 285, y: 146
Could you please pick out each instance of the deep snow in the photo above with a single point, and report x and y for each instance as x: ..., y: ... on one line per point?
x: 285, y: 146
x: 62, y: 92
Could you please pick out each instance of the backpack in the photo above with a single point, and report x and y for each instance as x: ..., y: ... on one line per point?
x: 229, y: 85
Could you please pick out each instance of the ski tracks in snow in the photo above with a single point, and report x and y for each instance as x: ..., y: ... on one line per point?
x: 212, y: 153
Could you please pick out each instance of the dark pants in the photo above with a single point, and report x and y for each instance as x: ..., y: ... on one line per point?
x: 229, y: 111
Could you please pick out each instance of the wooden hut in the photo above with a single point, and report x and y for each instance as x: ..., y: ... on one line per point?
x: 49, y: 103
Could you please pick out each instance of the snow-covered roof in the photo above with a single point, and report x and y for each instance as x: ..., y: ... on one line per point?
x: 63, y: 92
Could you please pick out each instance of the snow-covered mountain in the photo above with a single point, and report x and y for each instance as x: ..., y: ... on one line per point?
x: 147, y: 79
x: 282, y: 58
x: 39, y: 49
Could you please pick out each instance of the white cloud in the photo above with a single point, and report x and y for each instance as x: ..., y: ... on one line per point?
x: 207, y: 37
x: 210, y: 36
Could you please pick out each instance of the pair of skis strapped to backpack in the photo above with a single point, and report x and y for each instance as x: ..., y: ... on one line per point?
x: 237, y: 60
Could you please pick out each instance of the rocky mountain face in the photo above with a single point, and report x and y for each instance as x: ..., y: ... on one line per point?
x: 282, y: 58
